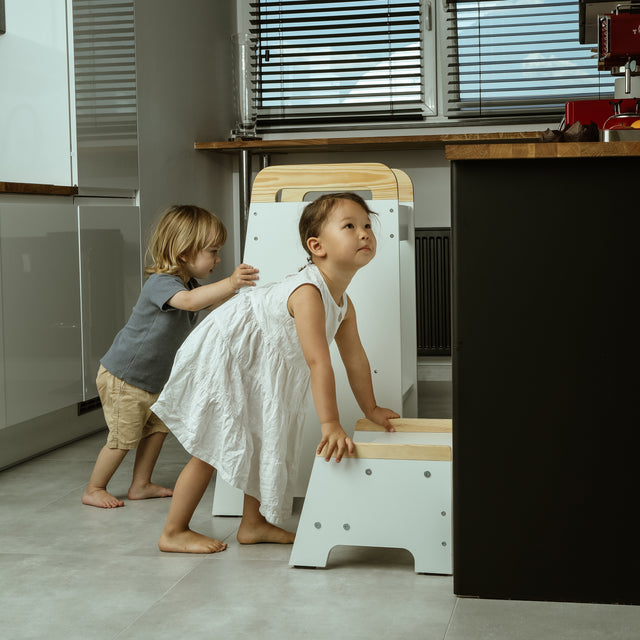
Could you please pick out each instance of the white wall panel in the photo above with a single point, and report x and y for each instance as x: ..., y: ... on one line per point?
x: 35, y: 115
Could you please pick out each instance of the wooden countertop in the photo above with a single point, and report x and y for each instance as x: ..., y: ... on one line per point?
x: 37, y: 189
x: 543, y: 150
x: 379, y: 143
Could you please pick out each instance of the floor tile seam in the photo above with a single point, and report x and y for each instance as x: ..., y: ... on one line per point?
x: 87, y: 554
x: 48, y: 459
x: 451, y: 617
x: 269, y: 562
x: 232, y: 535
x: 159, y: 599
x: 62, y: 496
x: 20, y: 554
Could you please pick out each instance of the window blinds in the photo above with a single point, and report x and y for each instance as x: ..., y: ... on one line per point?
x: 105, y: 71
x: 517, y: 57
x: 320, y: 62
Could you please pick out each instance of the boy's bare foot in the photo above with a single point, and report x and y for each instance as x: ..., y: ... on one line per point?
x: 189, y: 542
x: 263, y: 531
x: 100, y: 498
x: 149, y: 491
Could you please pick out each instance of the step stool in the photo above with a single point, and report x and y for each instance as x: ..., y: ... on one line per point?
x: 395, y: 492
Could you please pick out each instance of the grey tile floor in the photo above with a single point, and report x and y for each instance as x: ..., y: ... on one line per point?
x: 73, y: 572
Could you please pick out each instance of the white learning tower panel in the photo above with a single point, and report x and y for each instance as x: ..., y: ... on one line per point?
x: 383, y: 292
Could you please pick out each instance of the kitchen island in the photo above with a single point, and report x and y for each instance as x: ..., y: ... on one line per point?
x: 545, y: 358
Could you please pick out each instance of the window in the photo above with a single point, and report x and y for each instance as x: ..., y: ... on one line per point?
x: 327, y: 62
x: 506, y: 57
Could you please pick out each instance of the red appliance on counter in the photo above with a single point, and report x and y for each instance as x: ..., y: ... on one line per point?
x: 601, y: 111
x: 618, y: 37
x: 619, y: 42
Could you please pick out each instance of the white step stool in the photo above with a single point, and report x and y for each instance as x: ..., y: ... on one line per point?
x: 395, y: 492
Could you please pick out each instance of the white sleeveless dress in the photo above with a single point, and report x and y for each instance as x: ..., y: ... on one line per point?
x: 236, y: 397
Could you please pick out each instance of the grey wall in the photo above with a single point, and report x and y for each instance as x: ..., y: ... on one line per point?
x: 183, y: 55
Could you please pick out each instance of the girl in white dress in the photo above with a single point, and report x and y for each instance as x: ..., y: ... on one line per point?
x: 236, y: 395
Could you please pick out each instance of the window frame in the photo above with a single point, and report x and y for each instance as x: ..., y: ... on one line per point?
x: 428, y: 102
x: 435, y: 111
x: 500, y: 109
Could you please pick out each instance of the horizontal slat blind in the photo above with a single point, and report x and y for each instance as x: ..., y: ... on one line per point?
x: 515, y: 57
x: 105, y: 71
x: 334, y: 62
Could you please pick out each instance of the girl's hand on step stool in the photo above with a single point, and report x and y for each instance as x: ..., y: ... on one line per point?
x: 334, y: 440
x: 381, y: 416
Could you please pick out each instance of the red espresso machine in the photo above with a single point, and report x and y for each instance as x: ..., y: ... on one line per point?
x: 619, y: 42
x: 615, y: 27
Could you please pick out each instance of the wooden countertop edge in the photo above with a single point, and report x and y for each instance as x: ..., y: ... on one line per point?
x: 368, y: 143
x: 526, y: 151
x: 37, y: 189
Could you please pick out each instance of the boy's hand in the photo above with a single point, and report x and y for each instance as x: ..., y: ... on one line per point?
x: 381, y: 416
x: 243, y: 276
x: 335, y: 439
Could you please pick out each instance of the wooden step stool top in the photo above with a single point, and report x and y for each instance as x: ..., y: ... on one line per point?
x: 413, y: 439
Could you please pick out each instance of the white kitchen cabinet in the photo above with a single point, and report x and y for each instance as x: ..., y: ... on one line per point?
x: 41, y: 318
x: 37, y: 121
x: 110, y: 276
x: 3, y: 395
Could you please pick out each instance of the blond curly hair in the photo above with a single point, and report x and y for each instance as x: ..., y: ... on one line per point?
x: 182, y: 232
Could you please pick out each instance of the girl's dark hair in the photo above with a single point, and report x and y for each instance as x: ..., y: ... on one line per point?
x: 315, y: 214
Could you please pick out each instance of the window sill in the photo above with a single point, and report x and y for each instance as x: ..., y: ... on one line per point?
x: 368, y: 143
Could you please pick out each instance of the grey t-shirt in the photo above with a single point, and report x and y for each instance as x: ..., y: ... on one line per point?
x: 142, y: 352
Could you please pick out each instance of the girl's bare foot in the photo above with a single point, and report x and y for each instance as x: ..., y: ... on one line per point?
x: 148, y: 491
x: 96, y: 497
x: 189, y: 542
x: 263, y: 531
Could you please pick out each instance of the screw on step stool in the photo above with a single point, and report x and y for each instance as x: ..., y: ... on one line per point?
x: 317, y: 525
x: 368, y: 471
x: 346, y: 526
x: 427, y: 474
x: 443, y: 513
x: 444, y: 544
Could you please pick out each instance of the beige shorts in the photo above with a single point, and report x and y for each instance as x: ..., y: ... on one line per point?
x: 127, y: 411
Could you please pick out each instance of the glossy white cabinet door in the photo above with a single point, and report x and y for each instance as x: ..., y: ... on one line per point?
x: 37, y: 123
x: 3, y: 396
x: 110, y: 276
x: 40, y: 305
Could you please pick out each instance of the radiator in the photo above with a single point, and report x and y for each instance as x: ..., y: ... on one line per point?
x: 433, y: 291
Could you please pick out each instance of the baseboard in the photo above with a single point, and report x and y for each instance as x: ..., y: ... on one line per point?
x: 31, y: 438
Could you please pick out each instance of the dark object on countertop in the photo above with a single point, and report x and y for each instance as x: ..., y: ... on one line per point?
x: 577, y: 132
